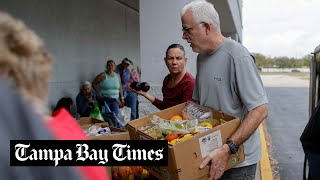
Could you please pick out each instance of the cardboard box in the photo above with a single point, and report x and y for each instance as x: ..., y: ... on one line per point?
x: 185, y: 157
x: 89, y: 120
x: 123, y: 135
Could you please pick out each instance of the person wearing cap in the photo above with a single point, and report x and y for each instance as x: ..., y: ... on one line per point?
x: 124, y: 72
x: 132, y: 97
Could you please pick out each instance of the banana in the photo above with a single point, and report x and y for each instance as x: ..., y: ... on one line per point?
x: 184, y: 138
x: 173, y: 142
x: 205, y: 124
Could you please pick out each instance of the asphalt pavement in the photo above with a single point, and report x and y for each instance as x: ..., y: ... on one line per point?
x: 288, y: 115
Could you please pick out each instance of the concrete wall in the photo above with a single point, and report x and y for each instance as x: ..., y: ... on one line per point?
x: 236, y: 12
x: 160, y: 26
x: 81, y: 35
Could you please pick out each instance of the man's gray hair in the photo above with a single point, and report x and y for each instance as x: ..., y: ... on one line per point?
x: 203, y: 11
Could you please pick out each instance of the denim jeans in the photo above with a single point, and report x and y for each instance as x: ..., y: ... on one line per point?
x: 114, y: 106
x: 242, y: 173
x: 131, y: 101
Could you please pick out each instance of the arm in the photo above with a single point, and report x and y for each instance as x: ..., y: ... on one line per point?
x: 250, y: 124
x: 221, y: 155
x: 160, y: 104
x: 96, y: 81
x: 121, y: 93
x: 156, y: 102
x: 188, y: 91
x: 145, y: 94
x: 83, y: 106
x: 126, y: 76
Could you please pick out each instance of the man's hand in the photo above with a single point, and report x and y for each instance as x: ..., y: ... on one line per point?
x: 218, y: 158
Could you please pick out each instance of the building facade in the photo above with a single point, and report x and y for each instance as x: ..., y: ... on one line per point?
x: 81, y: 35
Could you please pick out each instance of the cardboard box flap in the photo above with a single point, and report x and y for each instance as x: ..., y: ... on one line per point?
x: 89, y: 120
x: 221, y: 115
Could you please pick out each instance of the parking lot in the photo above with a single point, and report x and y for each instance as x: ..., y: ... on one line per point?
x: 288, y: 115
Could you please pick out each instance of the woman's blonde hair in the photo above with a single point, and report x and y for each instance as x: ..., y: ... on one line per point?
x: 24, y: 63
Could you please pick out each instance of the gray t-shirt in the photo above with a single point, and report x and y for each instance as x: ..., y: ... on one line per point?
x: 228, y: 80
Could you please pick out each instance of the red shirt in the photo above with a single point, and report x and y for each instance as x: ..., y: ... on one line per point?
x: 182, y: 92
x: 65, y: 127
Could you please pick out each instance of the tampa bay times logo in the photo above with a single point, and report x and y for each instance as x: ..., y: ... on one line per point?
x: 88, y: 153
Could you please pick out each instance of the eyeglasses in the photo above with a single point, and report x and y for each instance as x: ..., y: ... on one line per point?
x: 188, y: 29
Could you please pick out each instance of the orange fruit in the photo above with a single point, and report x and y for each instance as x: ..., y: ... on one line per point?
x: 171, y: 137
x: 176, y: 117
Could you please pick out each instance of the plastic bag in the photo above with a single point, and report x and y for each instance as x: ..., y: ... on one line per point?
x: 97, y: 131
x: 185, y: 126
x: 110, y: 116
x: 196, y: 111
x: 124, y: 115
x: 95, y: 112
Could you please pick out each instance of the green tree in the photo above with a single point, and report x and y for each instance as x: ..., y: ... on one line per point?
x: 281, y: 62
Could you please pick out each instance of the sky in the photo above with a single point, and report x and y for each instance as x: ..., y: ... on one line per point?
x: 281, y: 27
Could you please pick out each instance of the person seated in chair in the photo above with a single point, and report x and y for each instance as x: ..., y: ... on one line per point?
x: 86, y: 97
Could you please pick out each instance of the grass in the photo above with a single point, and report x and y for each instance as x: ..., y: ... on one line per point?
x: 301, y: 75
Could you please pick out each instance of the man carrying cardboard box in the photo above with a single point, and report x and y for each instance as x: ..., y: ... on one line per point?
x: 227, y: 80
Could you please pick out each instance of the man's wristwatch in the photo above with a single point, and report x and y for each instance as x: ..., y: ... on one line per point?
x: 233, y: 147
